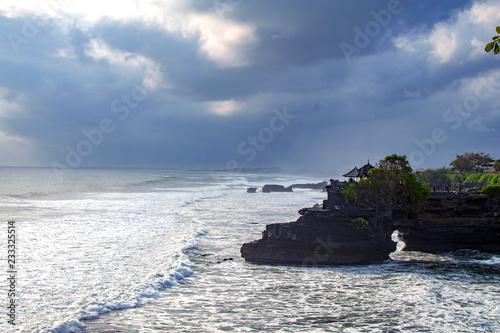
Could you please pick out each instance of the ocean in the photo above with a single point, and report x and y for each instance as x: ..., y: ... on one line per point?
x: 158, y: 251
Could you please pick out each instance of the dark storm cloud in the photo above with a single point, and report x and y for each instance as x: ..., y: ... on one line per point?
x: 344, y: 107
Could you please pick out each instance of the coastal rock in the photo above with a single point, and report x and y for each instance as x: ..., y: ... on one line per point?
x: 324, y: 237
x: 452, y: 222
x: 337, y: 234
x: 317, y: 186
x: 275, y: 188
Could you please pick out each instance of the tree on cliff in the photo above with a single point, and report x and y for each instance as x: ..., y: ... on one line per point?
x: 462, y: 164
x: 494, y: 45
x: 496, y: 165
x: 393, y: 184
x: 482, y: 162
x: 435, y: 178
x: 472, y: 162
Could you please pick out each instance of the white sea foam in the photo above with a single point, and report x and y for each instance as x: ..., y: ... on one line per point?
x: 440, y: 295
x: 96, y: 252
x: 107, y: 241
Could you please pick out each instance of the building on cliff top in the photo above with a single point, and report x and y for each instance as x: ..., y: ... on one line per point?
x: 334, y: 199
x: 358, y: 173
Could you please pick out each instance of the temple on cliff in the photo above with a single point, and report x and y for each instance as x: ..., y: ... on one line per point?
x: 340, y: 233
x: 359, y: 173
x: 334, y: 200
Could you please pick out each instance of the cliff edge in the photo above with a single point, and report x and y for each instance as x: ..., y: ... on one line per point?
x: 338, y: 234
x: 451, y: 222
x: 324, y: 237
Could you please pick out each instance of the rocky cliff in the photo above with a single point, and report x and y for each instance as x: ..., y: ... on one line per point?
x: 453, y: 221
x: 352, y: 235
x: 344, y: 234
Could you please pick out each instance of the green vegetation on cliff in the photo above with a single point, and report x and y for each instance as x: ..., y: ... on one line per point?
x: 491, y: 190
x: 350, y: 194
x: 496, y: 165
x: 364, y: 222
x: 468, y: 171
x: 391, y: 184
x: 436, y: 178
x: 474, y: 178
x: 472, y: 162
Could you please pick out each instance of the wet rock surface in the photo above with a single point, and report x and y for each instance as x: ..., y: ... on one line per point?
x: 452, y: 222
x: 324, y: 237
x: 338, y: 234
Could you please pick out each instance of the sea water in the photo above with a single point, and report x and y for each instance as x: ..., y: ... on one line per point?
x: 158, y: 251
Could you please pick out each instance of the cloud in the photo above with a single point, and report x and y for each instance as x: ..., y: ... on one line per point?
x: 444, y: 43
x: 223, y: 41
x: 478, y: 125
x: 184, y: 83
x: 457, y: 37
x: 10, y: 102
x: 224, y: 108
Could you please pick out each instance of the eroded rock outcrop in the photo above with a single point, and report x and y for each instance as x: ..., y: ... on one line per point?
x: 352, y: 235
x: 316, y: 186
x: 337, y: 233
x: 275, y: 188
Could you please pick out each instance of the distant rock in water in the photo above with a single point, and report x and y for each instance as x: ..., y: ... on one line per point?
x: 318, y: 186
x: 275, y: 188
x: 281, y: 188
x: 252, y: 190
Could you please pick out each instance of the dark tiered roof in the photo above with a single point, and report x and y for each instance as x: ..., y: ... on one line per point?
x: 364, y: 169
x: 361, y: 172
x: 353, y: 173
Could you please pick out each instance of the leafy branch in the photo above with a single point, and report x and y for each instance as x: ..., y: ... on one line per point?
x: 494, y: 45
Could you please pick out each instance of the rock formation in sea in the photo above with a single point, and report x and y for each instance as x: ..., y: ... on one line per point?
x: 334, y: 233
x: 275, y: 188
x: 313, y: 186
x: 268, y: 188
x: 339, y: 233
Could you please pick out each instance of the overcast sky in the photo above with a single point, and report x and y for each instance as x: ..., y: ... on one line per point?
x: 306, y: 85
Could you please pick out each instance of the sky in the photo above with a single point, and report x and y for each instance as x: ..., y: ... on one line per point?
x: 321, y: 85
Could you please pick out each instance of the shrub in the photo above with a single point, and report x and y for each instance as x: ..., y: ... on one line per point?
x: 364, y: 223
x: 491, y: 190
x: 435, y: 177
x: 474, y: 179
x: 350, y: 194
x: 394, y: 184
x: 496, y: 165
